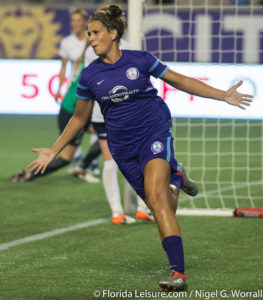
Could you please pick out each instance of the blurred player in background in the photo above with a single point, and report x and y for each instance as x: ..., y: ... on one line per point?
x: 139, y: 127
x: 72, y: 48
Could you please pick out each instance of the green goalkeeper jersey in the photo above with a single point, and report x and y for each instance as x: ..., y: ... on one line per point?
x: 70, y: 100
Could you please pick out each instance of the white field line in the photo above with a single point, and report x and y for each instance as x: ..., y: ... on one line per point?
x: 51, y: 233
x: 79, y: 226
x: 224, y: 189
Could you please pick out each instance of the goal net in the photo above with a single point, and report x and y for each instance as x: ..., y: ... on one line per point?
x: 219, y: 42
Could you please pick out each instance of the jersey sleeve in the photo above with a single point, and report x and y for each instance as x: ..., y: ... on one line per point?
x: 83, y: 91
x: 154, y: 67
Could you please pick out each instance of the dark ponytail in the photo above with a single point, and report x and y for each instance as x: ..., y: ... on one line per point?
x: 115, y: 11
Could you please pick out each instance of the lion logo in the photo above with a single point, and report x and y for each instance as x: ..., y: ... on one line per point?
x: 28, y: 32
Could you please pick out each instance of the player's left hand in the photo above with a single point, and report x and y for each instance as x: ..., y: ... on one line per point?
x: 233, y: 97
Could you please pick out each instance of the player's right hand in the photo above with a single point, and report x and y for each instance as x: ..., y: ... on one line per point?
x: 45, y: 157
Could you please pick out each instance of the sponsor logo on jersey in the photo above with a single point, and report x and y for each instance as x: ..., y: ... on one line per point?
x: 119, y: 93
x: 132, y: 73
x: 157, y: 147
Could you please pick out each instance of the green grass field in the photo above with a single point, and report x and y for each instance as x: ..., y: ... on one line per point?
x: 222, y: 253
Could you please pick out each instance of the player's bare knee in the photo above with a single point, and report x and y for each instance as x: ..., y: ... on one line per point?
x: 152, y: 202
x: 155, y: 199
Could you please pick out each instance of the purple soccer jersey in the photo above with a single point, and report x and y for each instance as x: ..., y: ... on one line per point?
x: 129, y: 103
x: 138, y: 121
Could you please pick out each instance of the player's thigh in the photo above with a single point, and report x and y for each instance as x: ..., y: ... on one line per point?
x: 157, y: 160
x: 158, y: 163
x: 157, y: 177
x: 130, y: 169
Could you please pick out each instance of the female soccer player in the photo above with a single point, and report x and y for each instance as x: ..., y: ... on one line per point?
x: 138, y: 125
x: 110, y: 168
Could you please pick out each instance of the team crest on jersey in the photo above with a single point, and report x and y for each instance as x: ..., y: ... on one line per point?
x: 157, y: 147
x: 132, y: 73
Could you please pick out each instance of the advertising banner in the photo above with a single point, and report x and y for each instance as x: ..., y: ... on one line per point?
x: 29, y: 86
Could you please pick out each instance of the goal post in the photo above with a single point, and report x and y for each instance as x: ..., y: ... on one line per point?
x: 135, y: 16
x: 218, y: 43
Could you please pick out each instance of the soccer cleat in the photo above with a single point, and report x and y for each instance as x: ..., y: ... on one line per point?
x: 122, y: 219
x: 174, y: 282
x: 190, y: 187
x: 142, y: 215
x: 89, y: 177
x: 86, y: 176
x: 21, y: 176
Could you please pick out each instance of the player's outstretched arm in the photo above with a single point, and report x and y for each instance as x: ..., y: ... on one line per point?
x: 77, y: 122
x: 199, y: 88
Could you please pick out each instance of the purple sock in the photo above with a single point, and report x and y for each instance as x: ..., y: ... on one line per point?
x: 173, y: 245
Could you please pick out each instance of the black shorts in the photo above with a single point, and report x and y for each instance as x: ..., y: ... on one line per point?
x: 63, y: 119
x: 100, y: 129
